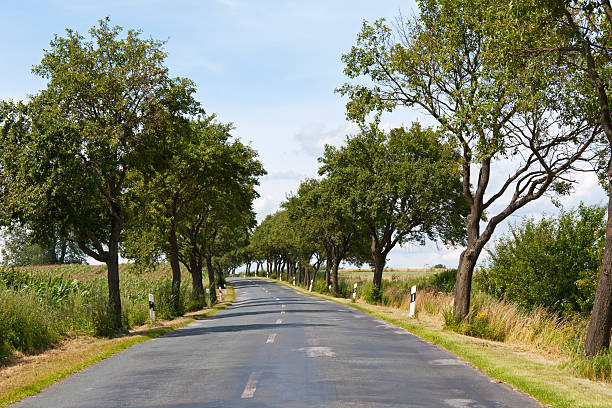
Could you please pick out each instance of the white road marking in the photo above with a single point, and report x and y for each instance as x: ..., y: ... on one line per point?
x: 447, y: 362
x: 251, y: 386
x: 283, y: 306
x: 278, y: 299
x: 279, y: 321
x: 463, y: 403
x: 271, y: 338
x: 282, y: 312
x: 318, y: 351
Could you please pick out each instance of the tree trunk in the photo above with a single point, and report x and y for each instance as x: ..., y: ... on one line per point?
x: 63, y: 250
x: 195, y: 264
x: 379, y: 266
x: 211, y: 280
x: 467, y: 263
x: 112, y: 265
x: 328, y: 265
x: 600, y: 324
x: 176, y: 269
x: 334, y: 276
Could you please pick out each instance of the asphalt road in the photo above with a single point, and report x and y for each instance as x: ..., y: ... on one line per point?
x: 275, y: 347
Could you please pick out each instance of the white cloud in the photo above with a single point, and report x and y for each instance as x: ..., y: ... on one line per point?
x: 313, y: 137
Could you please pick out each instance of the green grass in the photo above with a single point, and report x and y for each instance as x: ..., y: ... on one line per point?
x: 40, y: 306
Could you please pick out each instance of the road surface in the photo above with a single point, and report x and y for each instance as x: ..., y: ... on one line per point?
x: 275, y: 347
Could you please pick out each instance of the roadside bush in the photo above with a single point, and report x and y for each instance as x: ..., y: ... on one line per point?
x: 598, y: 368
x: 220, y: 281
x: 164, y: 300
x: 26, y: 324
x: 373, y: 295
x: 553, y: 262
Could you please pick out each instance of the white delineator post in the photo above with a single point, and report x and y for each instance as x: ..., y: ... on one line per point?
x: 220, y: 295
x: 412, y: 300
x: 310, y: 287
x: 267, y: 275
x: 329, y: 288
x: 151, y: 308
x: 294, y: 281
x: 208, y: 297
x: 355, y: 291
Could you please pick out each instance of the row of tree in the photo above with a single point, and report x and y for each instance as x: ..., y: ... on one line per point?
x: 520, y: 93
x: 379, y: 190
x: 121, y: 158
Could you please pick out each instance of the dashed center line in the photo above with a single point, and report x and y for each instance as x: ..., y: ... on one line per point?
x: 282, y: 312
x: 279, y: 321
x: 251, y: 386
x: 271, y: 338
x: 283, y: 306
x: 278, y: 299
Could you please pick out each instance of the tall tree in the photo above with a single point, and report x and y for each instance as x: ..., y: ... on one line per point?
x: 576, y: 36
x: 445, y: 63
x: 404, y: 186
x: 68, y: 153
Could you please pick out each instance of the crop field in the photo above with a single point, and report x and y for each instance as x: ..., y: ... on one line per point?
x: 41, y: 305
x: 389, y: 274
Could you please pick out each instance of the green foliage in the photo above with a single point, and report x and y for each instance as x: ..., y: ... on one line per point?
x: 373, y: 295
x: 165, y: 302
x: 52, y: 288
x: 25, y: 323
x: 553, y: 262
x: 20, y: 248
x: 42, y: 306
x: 220, y: 281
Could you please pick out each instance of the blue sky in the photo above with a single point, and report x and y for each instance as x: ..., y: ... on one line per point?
x: 270, y: 67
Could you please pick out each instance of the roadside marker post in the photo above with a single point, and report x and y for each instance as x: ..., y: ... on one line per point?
x: 310, y: 287
x: 329, y: 288
x: 294, y: 281
x: 208, y: 297
x: 151, y: 308
x: 412, y: 301
x: 220, y: 295
x: 354, y: 292
x: 267, y: 276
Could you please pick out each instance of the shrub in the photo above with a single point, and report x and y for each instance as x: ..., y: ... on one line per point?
x: 26, y: 324
x: 373, y: 295
x: 553, y: 262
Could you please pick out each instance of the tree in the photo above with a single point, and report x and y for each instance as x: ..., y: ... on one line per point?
x: 69, y: 152
x: 222, y: 208
x: 446, y: 62
x: 576, y: 36
x: 20, y: 249
x: 403, y: 185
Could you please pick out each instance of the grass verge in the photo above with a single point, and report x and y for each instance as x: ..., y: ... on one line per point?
x: 28, y: 375
x: 535, y: 373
